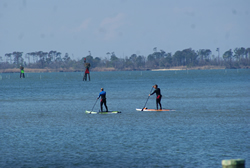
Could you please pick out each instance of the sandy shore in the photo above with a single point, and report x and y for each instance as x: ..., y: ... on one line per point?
x: 167, y: 69
x: 29, y: 70
x: 192, y: 68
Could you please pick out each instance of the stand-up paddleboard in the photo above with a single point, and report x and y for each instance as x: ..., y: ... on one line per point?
x: 146, y: 109
x: 104, y: 112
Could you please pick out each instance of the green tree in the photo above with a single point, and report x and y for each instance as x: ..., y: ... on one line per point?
x: 108, y: 55
x: 228, y: 58
x: 190, y: 57
x: 34, y: 55
x: 58, y: 57
x: 132, y: 59
x: 127, y: 63
x: 151, y: 61
x: 51, y: 56
x: 8, y: 57
x: 239, y: 53
x: 66, y: 58
x: 208, y: 52
x: 204, y: 55
x: 156, y: 59
x: 97, y: 61
x: 140, y: 61
x: 247, y: 53
x: 42, y: 58
x: 27, y: 55
x: 66, y: 61
x: 178, y: 58
x: 186, y: 57
x: 114, y: 60
x: 93, y: 62
x: 168, y: 60
x: 228, y: 55
x: 18, y: 58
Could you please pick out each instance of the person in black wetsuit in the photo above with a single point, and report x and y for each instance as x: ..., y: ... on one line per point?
x: 102, y: 94
x: 158, y: 96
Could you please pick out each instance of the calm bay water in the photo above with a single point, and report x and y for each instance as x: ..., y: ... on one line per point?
x: 43, y: 121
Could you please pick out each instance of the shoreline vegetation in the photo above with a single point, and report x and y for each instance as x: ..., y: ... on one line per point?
x: 159, y: 60
x: 101, y: 69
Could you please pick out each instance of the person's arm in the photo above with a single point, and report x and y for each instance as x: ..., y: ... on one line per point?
x: 152, y: 93
x: 99, y: 96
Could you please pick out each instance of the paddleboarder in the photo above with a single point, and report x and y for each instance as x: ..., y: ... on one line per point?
x: 102, y: 94
x: 22, y: 72
x: 87, y: 66
x: 157, y: 91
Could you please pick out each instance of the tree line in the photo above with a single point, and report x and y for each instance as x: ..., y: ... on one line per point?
x: 237, y: 58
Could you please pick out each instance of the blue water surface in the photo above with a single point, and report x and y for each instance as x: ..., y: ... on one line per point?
x: 43, y: 121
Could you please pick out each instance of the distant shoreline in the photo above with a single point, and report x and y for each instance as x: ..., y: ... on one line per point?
x: 36, y: 70
x: 99, y: 69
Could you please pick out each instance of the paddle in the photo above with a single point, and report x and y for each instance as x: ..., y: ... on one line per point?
x: 147, y: 99
x: 93, y: 106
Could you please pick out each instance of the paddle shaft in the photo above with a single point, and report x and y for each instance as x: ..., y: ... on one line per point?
x: 94, y: 105
x: 147, y: 99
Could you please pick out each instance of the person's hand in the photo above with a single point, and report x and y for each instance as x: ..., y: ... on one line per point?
x: 149, y: 95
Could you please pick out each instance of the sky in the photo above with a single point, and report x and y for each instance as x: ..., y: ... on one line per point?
x: 124, y: 27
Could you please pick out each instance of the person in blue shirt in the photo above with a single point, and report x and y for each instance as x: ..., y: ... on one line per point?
x: 102, y: 94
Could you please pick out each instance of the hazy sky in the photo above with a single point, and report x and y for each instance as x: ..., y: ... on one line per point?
x: 125, y: 27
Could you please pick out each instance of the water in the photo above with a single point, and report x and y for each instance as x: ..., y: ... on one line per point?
x: 43, y: 124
